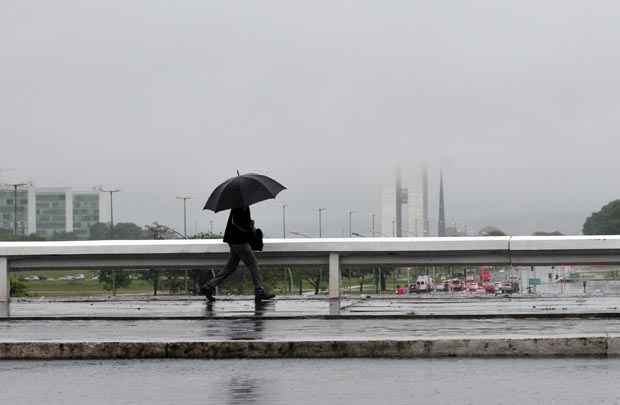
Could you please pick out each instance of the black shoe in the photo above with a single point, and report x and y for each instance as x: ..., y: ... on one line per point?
x: 209, y: 293
x: 262, y: 295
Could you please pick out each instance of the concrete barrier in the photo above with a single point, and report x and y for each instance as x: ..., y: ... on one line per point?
x: 506, y: 346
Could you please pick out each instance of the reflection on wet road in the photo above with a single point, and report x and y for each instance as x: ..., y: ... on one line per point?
x: 294, y: 329
x: 344, y: 381
x: 222, y: 320
x: 436, y: 305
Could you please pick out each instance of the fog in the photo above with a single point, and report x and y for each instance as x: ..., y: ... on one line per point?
x: 516, y: 101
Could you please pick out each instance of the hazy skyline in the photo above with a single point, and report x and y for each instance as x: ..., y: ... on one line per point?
x: 518, y: 103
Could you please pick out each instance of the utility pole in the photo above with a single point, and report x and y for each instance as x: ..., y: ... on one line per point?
x: 111, y: 192
x: 15, y: 186
x: 211, y: 227
x: 350, y: 228
x: 320, y: 210
x: 185, y: 198
x: 372, y: 225
x: 283, y: 221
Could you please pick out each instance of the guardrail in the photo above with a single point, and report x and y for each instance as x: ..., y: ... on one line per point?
x: 186, y: 254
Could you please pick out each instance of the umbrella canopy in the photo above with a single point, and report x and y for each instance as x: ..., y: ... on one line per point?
x: 243, y: 191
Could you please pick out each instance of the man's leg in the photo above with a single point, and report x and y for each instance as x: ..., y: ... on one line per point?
x: 248, y: 258
x: 231, y: 266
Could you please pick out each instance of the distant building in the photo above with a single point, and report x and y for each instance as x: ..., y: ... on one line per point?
x: 455, y: 230
x: 441, y: 225
x: 404, y: 205
x: 53, y: 208
x: 45, y: 211
x: 7, y: 209
x: 425, y: 209
x: 416, y: 196
x: 86, y: 212
x: 388, y: 211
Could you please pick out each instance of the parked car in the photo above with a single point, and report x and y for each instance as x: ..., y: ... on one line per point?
x: 489, y: 288
x: 509, y: 287
x: 455, y: 285
x: 423, y: 284
x: 473, y: 286
x: 443, y: 286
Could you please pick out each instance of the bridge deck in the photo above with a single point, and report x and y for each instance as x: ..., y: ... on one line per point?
x: 184, y: 254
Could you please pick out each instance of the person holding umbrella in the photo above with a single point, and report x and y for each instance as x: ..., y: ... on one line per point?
x: 237, y: 194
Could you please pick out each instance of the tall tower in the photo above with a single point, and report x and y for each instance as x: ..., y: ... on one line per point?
x: 441, y: 226
x: 426, y: 228
x: 399, y: 203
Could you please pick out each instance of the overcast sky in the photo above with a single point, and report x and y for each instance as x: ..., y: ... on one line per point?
x: 519, y: 102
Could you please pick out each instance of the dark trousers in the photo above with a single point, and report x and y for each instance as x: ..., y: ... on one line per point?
x: 242, y: 252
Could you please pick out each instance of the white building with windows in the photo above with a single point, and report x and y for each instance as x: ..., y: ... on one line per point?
x: 46, y: 211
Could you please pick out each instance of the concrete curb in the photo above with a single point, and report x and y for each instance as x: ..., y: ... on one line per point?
x: 507, y: 346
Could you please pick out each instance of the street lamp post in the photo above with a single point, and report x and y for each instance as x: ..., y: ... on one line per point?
x: 15, y: 187
x: 350, y: 228
x: 185, y: 198
x: 321, y: 221
x: 372, y: 225
x: 111, y: 229
x: 284, y: 221
x: 184, y: 214
x: 111, y: 192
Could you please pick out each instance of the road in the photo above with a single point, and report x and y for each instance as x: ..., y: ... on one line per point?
x: 342, y: 381
x: 294, y: 329
x: 387, y: 305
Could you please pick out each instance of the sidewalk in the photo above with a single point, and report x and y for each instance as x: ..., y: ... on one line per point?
x: 293, y: 307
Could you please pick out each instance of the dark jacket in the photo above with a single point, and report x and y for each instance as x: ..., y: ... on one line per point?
x: 240, y: 227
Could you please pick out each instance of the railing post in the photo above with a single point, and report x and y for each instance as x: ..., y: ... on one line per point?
x: 4, y: 287
x: 334, y: 275
x: 523, y: 281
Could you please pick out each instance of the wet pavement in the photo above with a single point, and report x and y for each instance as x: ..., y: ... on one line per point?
x: 297, y: 307
x: 342, y: 381
x: 305, y: 319
x: 294, y: 329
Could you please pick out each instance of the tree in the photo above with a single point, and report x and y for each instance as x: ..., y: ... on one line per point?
x: 175, y: 281
x: 18, y: 288
x: 491, y: 231
x: 312, y: 275
x: 153, y: 277
x: 7, y: 235
x: 159, y: 231
x: 33, y: 237
x: 99, y: 231
x: 128, y: 231
x: 64, y: 236
x: 112, y: 280
x: 122, y: 230
x: 604, y: 222
x: 206, y: 235
x: 542, y: 233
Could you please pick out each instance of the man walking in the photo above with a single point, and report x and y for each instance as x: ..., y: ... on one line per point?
x: 238, y: 234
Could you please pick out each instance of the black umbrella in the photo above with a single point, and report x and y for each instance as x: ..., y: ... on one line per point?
x: 243, y: 191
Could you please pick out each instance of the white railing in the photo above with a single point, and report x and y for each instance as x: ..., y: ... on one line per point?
x: 185, y: 254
